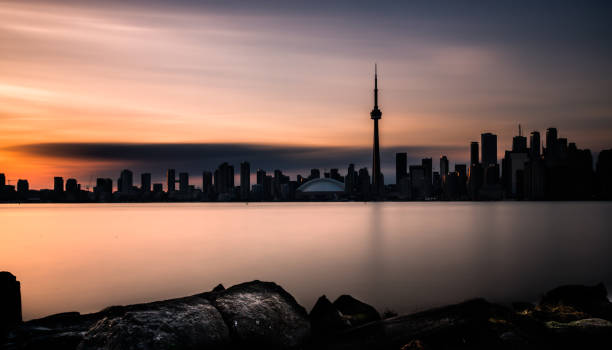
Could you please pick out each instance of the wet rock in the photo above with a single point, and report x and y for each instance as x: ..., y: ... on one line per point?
x: 326, y: 320
x: 218, y: 288
x: 357, y: 312
x: 183, y: 325
x: 10, y: 301
x: 473, y: 324
x: 590, y: 300
x: 590, y: 325
x: 262, y: 314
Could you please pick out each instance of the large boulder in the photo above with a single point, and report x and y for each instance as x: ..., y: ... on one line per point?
x: 254, y: 314
x: 262, y: 314
x: 357, y: 312
x: 192, y: 324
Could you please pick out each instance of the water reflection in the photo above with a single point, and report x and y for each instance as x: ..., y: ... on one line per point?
x: 403, y: 256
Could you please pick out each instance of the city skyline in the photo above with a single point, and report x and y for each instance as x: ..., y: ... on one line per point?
x: 236, y: 75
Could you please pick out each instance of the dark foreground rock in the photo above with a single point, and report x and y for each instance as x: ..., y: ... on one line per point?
x: 10, y: 301
x: 261, y: 315
x: 254, y: 314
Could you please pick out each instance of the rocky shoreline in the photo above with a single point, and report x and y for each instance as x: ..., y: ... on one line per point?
x: 257, y: 314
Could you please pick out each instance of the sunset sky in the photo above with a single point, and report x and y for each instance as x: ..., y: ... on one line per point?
x: 288, y: 84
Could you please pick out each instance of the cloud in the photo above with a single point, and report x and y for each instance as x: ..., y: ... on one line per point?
x: 196, y: 157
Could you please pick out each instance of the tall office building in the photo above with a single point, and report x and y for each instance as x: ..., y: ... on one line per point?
x: 261, y: 176
x: 474, y: 153
x: 519, y: 143
x: 72, y: 186
x: 58, y: 184
x: 427, y: 165
x: 534, y: 145
x: 375, y: 115
x: 224, y: 178
x: 488, y: 144
x: 184, y: 182
x: 2, y: 180
x: 127, y: 180
x: 145, y: 182
x: 245, y: 180
x: 23, y: 186
x: 401, y: 166
x: 171, y: 180
x: 443, y: 167
x: 551, y: 142
x: 207, y: 182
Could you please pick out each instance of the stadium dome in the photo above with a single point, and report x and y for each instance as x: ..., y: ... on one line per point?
x: 323, y: 185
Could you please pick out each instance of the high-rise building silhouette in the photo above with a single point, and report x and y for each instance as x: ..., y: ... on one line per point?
x: 2, y: 180
x: 72, y: 186
x: 58, y: 184
x: 126, y: 180
x: 245, y: 180
x: 224, y: 178
x: 23, y: 186
x: 184, y: 182
x: 519, y: 142
x: 401, y: 167
x: 551, y: 142
x: 207, y: 182
x: 488, y: 144
x: 427, y: 164
x: 145, y: 182
x: 261, y: 176
x: 171, y: 180
x: 443, y: 168
x: 534, y: 145
x: 376, y: 114
x: 474, y: 153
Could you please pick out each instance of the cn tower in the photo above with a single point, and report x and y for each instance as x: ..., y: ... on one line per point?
x: 376, y: 114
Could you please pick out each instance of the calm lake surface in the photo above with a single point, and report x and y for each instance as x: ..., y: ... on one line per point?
x: 401, y: 256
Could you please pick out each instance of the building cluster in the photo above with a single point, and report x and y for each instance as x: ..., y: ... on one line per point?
x: 558, y: 171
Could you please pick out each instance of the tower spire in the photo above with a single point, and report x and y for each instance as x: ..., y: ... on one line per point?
x: 375, y: 85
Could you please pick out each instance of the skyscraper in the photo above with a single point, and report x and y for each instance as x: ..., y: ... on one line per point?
x: 519, y: 143
x: 376, y: 114
x: 534, y: 144
x: 58, y: 184
x: 401, y: 167
x: 127, y: 180
x: 443, y: 167
x: 488, y: 144
x: 184, y: 182
x: 245, y: 180
x: 551, y: 142
x: 145, y: 182
x: 2, y: 180
x: 474, y: 153
x: 207, y: 182
x: 171, y: 179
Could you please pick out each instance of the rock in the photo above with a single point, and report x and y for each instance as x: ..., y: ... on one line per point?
x: 255, y: 314
x: 588, y: 324
x: 462, y: 326
x: 326, y: 320
x: 591, y: 300
x: 356, y: 311
x: 195, y: 324
x: 521, y: 306
x: 10, y: 301
x: 218, y: 288
x: 262, y: 314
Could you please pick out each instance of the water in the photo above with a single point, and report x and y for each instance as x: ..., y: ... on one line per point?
x: 401, y: 256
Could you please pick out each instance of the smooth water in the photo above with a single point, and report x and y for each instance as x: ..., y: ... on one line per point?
x: 401, y: 256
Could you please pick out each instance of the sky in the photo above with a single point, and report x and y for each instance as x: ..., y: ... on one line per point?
x: 88, y: 88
